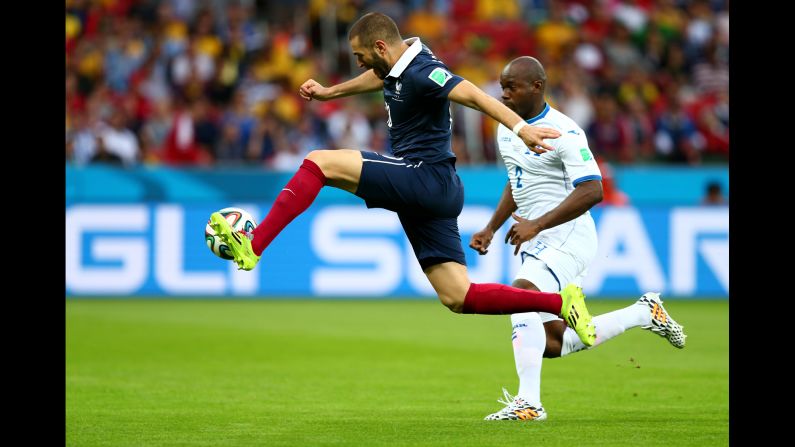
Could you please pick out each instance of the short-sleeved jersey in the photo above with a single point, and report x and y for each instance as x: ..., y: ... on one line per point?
x: 418, y: 111
x: 540, y: 182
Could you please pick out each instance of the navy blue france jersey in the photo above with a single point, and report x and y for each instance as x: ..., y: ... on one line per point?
x: 418, y: 111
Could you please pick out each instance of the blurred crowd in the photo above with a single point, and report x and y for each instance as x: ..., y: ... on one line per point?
x: 211, y: 82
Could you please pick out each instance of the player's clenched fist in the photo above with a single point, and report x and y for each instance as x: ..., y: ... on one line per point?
x: 312, y: 89
x: 481, y: 240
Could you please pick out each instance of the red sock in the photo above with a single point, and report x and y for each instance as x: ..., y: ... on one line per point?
x: 294, y: 199
x: 498, y: 299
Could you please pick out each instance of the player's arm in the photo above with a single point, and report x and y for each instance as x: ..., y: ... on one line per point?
x: 466, y: 93
x: 482, y: 239
x: 365, y: 82
x: 584, y: 197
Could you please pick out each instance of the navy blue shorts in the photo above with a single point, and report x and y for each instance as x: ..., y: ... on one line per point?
x: 428, y: 197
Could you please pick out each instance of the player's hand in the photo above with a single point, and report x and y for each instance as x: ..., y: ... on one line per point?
x: 481, y: 240
x: 523, y: 230
x: 534, y: 137
x: 312, y: 89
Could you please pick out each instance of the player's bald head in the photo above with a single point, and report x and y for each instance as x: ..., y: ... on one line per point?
x: 526, y: 69
x: 523, y: 82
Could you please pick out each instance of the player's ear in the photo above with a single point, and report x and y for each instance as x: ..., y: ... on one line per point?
x: 380, y: 47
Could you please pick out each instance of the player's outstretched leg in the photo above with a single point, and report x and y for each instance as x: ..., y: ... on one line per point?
x: 661, y: 322
x: 576, y: 314
x: 451, y: 282
x: 517, y: 409
x: 238, y: 242
x: 293, y: 200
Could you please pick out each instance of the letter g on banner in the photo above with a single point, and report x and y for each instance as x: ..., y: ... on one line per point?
x: 125, y: 256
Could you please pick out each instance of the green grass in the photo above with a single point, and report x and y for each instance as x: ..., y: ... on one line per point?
x: 308, y: 373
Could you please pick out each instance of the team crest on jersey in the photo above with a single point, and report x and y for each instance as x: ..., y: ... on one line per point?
x: 440, y: 76
x: 398, y: 86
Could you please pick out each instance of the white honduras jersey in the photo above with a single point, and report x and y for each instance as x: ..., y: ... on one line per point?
x: 540, y: 182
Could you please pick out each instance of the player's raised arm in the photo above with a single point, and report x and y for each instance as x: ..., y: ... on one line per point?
x: 365, y: 82
x: 466, y: 93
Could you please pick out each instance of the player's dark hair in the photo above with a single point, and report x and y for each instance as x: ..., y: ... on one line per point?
x: 375, y: 26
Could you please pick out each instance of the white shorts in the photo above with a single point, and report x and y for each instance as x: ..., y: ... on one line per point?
x: 537, y: 272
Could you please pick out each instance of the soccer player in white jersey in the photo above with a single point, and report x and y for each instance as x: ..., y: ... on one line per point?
x: 549, y: 196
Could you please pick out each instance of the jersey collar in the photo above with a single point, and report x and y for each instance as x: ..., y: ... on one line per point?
x: 540, y: 115
x: 408, y: 56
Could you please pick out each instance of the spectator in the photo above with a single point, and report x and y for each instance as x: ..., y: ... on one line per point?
x: 607, y: 135
x: 714, y: 194
x: 116, y: 140
x: 711, y: 75
x: 105, y: 156
x: 670, y: 19
x: 588, y: 53
x: 231, y: 145
x: 556, y: 33
x: 575, y: 101
x: 425, y: 23
x: 205, y: 126
x: 631, y: 15
x: 712, y: 121
x: 154, y: 132
x: 611, y: 194
x: 348, y: 127
x: 81, y: 141
x: 700, y: 29
x: 621, y: 52
x: 677, y: 139
x: 238, y: 116
x: 640, y: 130
x: 180, y: 146
x: 266, y: 137
x: 191, y: 71
x: 636, y: 84
x: 288, y: 158
x: 234, y: 56
x: 310, y: 135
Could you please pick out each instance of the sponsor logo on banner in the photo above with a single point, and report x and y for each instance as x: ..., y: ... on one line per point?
x: 349, y: 251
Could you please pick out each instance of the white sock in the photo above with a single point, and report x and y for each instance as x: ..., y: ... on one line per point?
x: 608, y: 326
x: 529, y: 340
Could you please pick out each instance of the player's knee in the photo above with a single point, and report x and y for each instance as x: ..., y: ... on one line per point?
x: 336, y: 164
x: 554, y: 332
x: 552, y: 350
x: 453, y: 303
x: 524, y: 284
x: 319, y: 157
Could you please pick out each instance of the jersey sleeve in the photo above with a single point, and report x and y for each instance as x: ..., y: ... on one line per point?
x: 436, y: 81
x: 577, y: 157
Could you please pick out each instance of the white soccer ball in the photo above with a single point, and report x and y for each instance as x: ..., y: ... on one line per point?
x: 239, y: 219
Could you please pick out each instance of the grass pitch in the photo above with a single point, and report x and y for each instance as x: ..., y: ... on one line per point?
x: 372, y: 373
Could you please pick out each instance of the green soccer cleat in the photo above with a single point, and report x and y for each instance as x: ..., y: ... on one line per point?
x: 576, y: 314
x: 238, y: 242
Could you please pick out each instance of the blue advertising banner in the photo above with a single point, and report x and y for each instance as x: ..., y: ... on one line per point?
x: 346, y: 250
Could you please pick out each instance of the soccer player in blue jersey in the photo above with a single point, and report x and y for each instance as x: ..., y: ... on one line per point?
x: 418, y: 181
